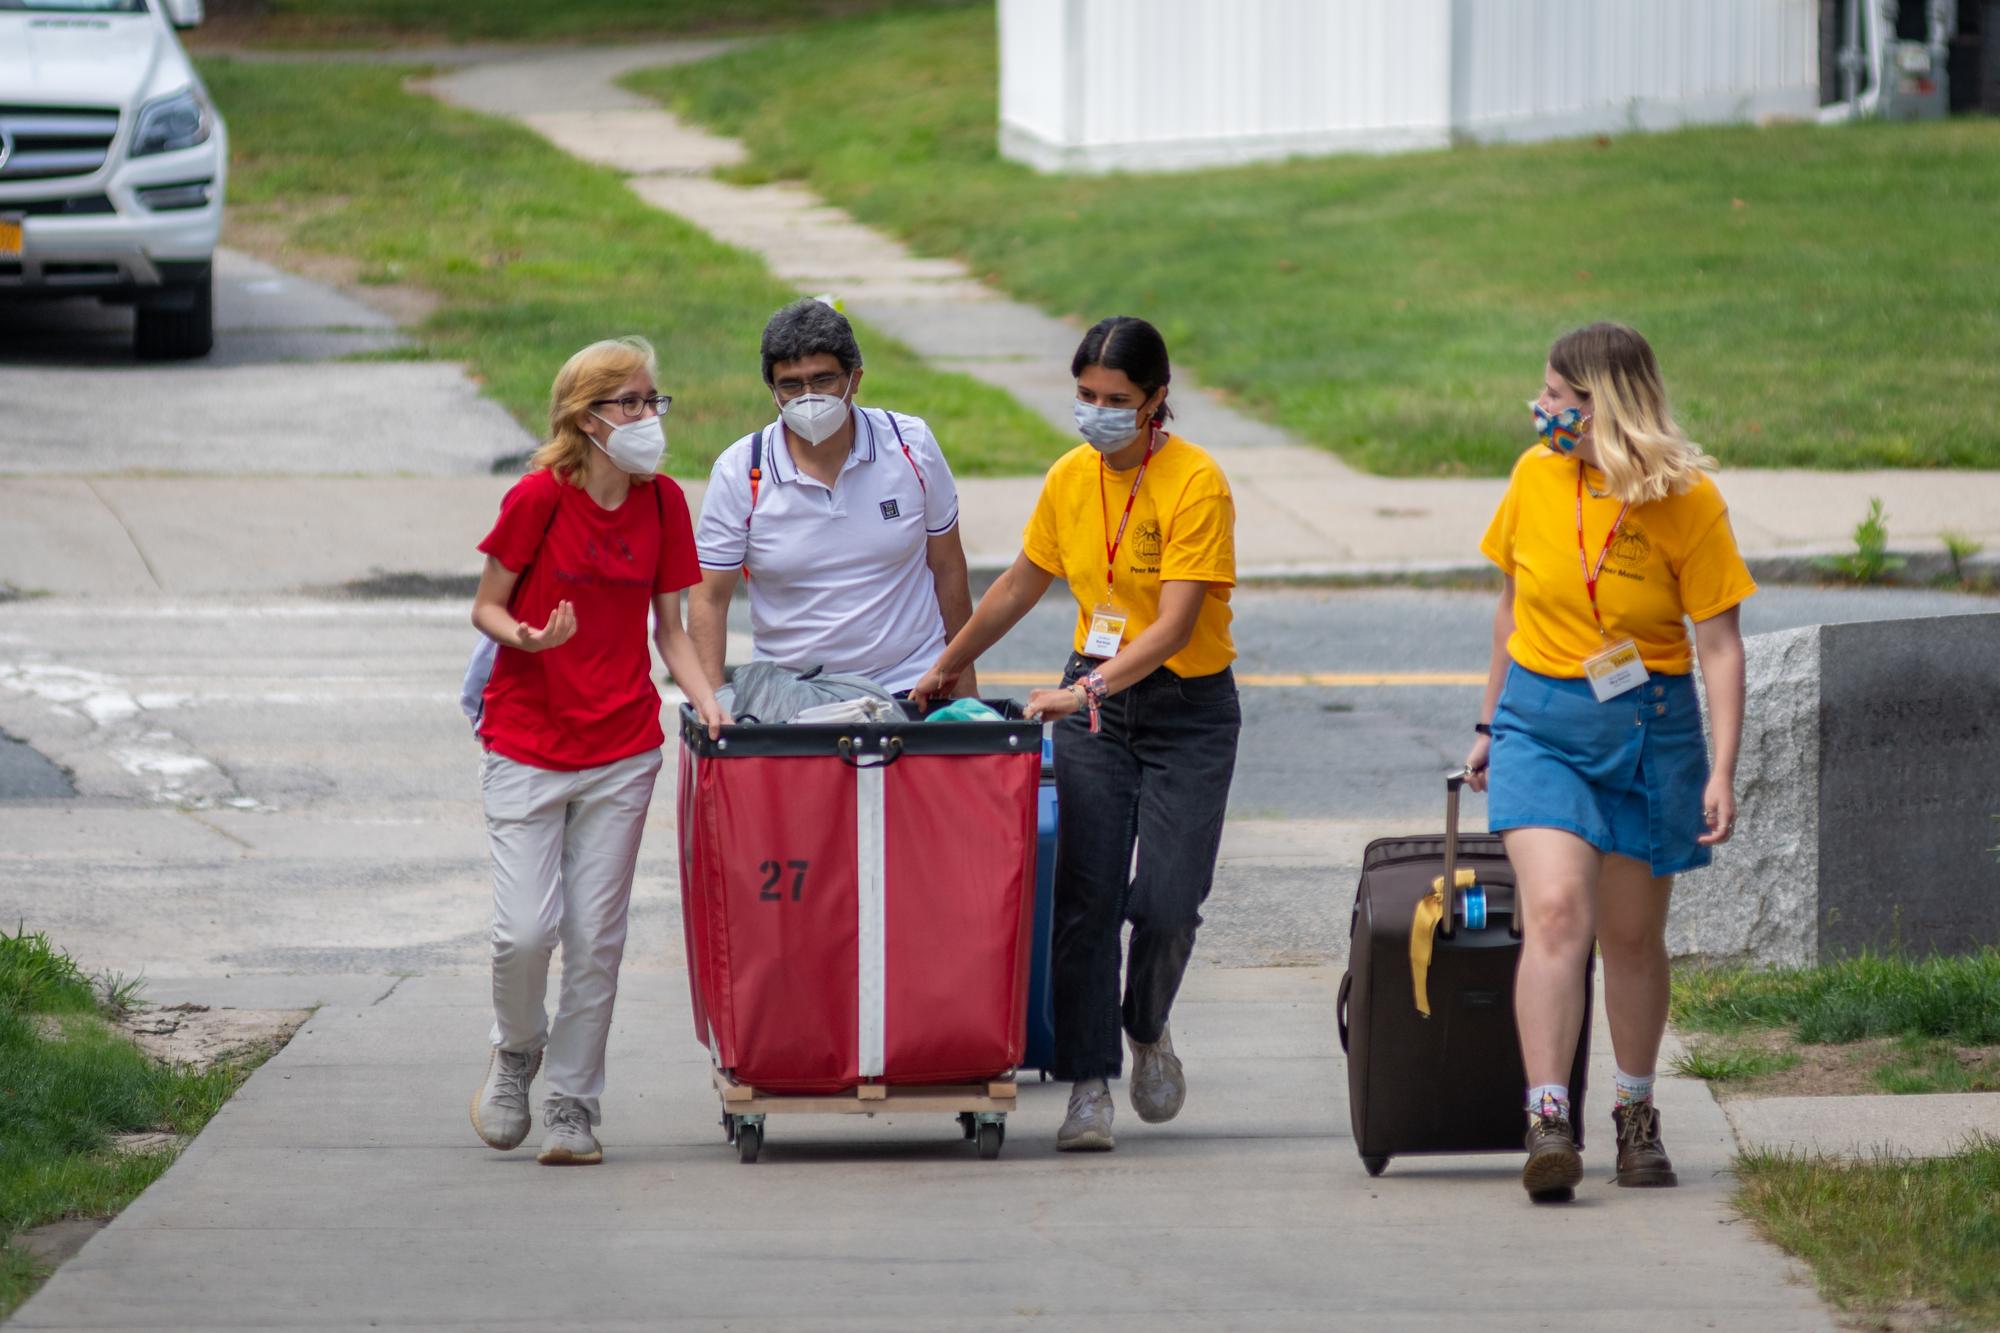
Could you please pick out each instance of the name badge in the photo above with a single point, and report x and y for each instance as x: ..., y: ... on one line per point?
x: 1615, y: 670
x: 1107, y: 631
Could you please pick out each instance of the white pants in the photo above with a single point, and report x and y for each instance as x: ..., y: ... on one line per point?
x: 564, y: 848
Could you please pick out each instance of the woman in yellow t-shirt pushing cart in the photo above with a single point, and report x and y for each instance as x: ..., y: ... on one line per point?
x: 1611, y: 536
x: 1141, y: 525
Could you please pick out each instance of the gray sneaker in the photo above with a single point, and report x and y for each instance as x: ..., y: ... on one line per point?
x: 1087, y: 1127
x: 1157, y: 1086
x: 500, y: 1107
x: 568, y: 1141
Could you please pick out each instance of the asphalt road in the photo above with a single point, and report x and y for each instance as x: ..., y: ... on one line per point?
x: 288, y: 786
x: 1370, y: 752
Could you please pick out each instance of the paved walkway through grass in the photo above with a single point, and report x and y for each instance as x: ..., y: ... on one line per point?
x: 343, y: 1188
x: 1300, y: 509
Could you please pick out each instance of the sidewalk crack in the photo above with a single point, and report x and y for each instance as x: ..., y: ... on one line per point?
x: 387, y: 993
x: 130, y: 535
x: 215, y: 828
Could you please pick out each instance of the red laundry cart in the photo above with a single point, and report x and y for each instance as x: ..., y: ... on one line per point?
x: 858, y: 901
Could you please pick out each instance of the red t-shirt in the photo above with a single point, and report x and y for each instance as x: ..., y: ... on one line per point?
x: 590, y: 701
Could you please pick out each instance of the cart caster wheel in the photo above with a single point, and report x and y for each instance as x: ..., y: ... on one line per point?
x: 729, y: 1128
x: 968, y: 1125
x: 749, y: 1138
x: 989, y: 1142
x: 1375, y: 1165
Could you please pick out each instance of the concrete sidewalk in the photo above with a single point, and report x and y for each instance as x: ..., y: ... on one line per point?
x: 343, y: 1188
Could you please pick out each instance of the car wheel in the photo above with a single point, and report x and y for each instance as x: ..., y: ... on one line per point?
x: 180, y: 331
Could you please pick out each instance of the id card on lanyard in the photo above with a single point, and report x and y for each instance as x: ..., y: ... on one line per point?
x: 1617, y: 667
x: 1107, y: 618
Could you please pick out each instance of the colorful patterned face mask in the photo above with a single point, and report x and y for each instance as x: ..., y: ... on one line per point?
x: 1561, y: 431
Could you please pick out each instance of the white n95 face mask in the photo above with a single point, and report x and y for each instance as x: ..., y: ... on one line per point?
x: 636, y: 446
x: 814, y: 417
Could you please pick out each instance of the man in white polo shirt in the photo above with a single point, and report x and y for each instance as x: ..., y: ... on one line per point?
x: 845, y: 519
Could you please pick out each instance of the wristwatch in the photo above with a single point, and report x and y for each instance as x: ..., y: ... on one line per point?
x: 1483, y: 728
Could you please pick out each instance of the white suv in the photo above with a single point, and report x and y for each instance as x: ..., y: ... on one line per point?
x: 112, y: 161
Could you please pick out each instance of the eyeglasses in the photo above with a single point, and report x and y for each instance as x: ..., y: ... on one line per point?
x: 826, y: 383
x: 631, y: 403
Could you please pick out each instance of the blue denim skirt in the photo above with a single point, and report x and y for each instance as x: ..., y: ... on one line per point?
x: 1626, y: 776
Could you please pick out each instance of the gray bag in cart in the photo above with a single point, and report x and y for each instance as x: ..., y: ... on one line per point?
x: 770, y: 692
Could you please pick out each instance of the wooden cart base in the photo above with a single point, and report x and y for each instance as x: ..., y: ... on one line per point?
x: 981, y: 1108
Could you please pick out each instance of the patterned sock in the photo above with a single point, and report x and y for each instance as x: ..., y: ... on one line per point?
x: 1546, y: 1099
x: 1633, y: 1088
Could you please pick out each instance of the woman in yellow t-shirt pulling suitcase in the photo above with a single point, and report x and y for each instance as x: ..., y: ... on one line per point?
x: 1141, y: 526
x: 1611, y: 536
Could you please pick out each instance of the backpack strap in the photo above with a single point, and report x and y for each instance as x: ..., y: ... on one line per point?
x: 527, y: 569
x: 756, y: 483
x: 908, y: 457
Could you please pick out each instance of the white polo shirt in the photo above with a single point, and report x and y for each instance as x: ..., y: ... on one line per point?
x: 838, y: 577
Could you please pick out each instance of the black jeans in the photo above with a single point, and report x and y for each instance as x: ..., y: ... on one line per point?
x: 1157, y: 773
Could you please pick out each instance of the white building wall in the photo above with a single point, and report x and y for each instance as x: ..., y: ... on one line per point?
x: 1101, y: 85
x: 1538, y: 69
x: 1160, y: 84
x: 1034, y: 68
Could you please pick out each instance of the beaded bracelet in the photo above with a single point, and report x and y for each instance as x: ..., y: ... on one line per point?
x: 1093, y: 689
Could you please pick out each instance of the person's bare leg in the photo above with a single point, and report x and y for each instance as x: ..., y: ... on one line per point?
x: 1632, y: 935
x: 1556, y: 875
x: 1556, y: 878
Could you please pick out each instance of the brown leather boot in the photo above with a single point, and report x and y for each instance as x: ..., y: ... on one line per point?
x: 1554, y: 1166
x: 1641, y: 1160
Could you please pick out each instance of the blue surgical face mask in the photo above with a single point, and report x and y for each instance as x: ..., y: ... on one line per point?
x: 1560, y: 431
x: 1108, y: 429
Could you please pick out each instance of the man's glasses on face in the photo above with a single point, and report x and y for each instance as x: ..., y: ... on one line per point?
x: 820, y: 384
x: 633, y: 403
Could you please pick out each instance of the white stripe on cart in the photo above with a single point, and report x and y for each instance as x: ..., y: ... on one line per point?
x: 869, y: 842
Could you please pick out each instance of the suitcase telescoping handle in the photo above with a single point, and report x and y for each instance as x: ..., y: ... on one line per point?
x: 1452, y: 782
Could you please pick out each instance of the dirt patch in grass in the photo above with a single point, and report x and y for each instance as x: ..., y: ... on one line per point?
x: 194, y: 1034
x: 265, y: 234
x: 1872, y: 1066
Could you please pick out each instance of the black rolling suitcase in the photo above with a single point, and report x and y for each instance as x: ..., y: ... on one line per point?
x: 1451, y: 1082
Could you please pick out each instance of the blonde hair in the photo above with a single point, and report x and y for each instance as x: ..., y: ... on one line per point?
x: 1641, y: 449
x: 593, y: 373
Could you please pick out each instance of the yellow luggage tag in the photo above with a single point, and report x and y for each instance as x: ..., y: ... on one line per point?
x: 1423, y: 927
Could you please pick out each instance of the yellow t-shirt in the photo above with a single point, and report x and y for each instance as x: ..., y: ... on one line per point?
x: 1672, y: 558
x: 1183, y: 528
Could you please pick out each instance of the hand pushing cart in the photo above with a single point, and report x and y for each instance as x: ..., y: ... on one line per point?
x: 858, y: 900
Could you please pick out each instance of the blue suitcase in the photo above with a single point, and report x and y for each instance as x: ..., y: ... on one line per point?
x: 1041, y: 1049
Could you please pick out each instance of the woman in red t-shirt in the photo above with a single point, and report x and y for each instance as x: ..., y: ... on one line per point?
x: 587, y: 543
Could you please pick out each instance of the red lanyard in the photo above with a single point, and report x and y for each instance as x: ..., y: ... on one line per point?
x: 1591, y: 575
x: 1111, y: 544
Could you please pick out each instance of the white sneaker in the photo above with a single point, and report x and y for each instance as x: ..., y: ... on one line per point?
x: 1087, y: 1127
x: 500, y: 1107
x: 1157, y: 1086
x: 568, y: 1141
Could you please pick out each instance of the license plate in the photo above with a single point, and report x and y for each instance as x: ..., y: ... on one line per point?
x: 10, y: 236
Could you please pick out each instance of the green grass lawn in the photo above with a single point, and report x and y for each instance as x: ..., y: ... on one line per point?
x: 1869, y: 995
x: 536, y: 254
x: 68, y: 1081
x: 317, y: 23
x: 1916, y: 1240
x: 1924, y: 1024
x: 1819, y: 298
